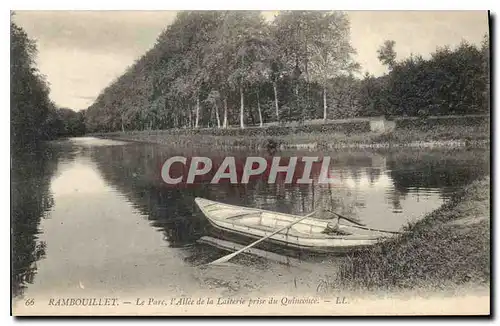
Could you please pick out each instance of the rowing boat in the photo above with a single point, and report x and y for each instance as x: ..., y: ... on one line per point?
x: 310, y: 234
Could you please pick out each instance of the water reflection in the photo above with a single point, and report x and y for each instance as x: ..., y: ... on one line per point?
x: 385, y: 190
x: 110, y: 219
x: 31, y: 199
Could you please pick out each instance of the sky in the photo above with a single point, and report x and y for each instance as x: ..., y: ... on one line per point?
x: 82, y: 52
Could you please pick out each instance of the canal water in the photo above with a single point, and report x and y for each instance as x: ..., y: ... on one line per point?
x: 93, y: 216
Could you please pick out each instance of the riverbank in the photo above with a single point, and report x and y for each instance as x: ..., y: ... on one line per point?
x: 449, y: 247
x: 440, y: 136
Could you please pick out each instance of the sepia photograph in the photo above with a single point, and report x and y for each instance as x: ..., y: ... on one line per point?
x: 250, y: 163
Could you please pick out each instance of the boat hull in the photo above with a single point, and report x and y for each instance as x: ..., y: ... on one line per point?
x: 248, y: 223
x: 282, y: 246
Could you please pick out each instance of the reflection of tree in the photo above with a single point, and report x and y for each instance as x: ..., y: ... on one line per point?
x: 395, y: 198
x: 439, y: 170
x: 30, y: 192
x: 135, y: 171
x: 373, y: 174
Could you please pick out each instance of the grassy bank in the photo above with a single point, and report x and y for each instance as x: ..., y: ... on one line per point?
x: 257, y: 138
x: 450, y: 246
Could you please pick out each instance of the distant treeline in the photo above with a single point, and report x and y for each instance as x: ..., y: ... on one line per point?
x: 233, y: 68
x: 450, y: 82
x: 65, y: 122
x: 34, y: 117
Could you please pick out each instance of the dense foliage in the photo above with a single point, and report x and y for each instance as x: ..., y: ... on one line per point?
x: 64, y: 122
x: 233, y: 68
x: 450, y: 82
x: 216, y: 69
x: 29, y: 93
x: 34, y: 116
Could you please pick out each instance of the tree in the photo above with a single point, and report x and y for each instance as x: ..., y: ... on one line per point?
x: 344, y: 96
x: 29, y: 92
x: 276, y: 68
x: 212, y: 98
x: 232, y: 66
x: 387, y: 54
x: 332, y: 51
x: 295, y: 33
x: 260, y: 70
x: 218, y: 62
x: 450, y: 82
x: 485, y: 55
x: 373, y: 96
x: 248, y: 46
x: 190, y: 38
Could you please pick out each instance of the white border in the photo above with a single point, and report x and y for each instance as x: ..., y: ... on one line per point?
x: 251, y: 4
x: 184, y: 5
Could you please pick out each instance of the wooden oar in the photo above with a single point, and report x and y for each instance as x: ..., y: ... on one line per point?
x: 363, y: 226
x: 341, y: 216
x: 348, y: 218
x: 378, y: 230
x: 227, y: 257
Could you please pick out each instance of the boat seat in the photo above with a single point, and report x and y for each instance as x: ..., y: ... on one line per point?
x: 291, y: 231
x: 239, y: 216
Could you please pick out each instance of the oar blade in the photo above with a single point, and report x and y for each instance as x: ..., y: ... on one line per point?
x: 227, y: 257
x: 222, y: 260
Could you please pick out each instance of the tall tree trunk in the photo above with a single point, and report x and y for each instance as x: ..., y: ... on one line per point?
x: 308, y: 83
x: 190, y: 116
x: 217, y: 115
x: 224, y: 125
x: 297, y: 103
x: 210, y: 115
x: 306, y: 59
x: 258, y: 108
x: 324, y: 104
x: 242, y: 108
x: 197, y: 110
x: 123, y: 127
x: 275, y: 88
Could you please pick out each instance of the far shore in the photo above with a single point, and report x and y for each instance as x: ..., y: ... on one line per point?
x: 439, y: 137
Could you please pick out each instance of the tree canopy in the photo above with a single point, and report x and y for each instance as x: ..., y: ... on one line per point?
x: 233, y: 68
x: 34, y: 117
x: 222, y: 68
x: 29, y: 92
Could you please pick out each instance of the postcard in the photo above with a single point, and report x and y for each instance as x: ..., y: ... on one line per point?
x: 258, y: 163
